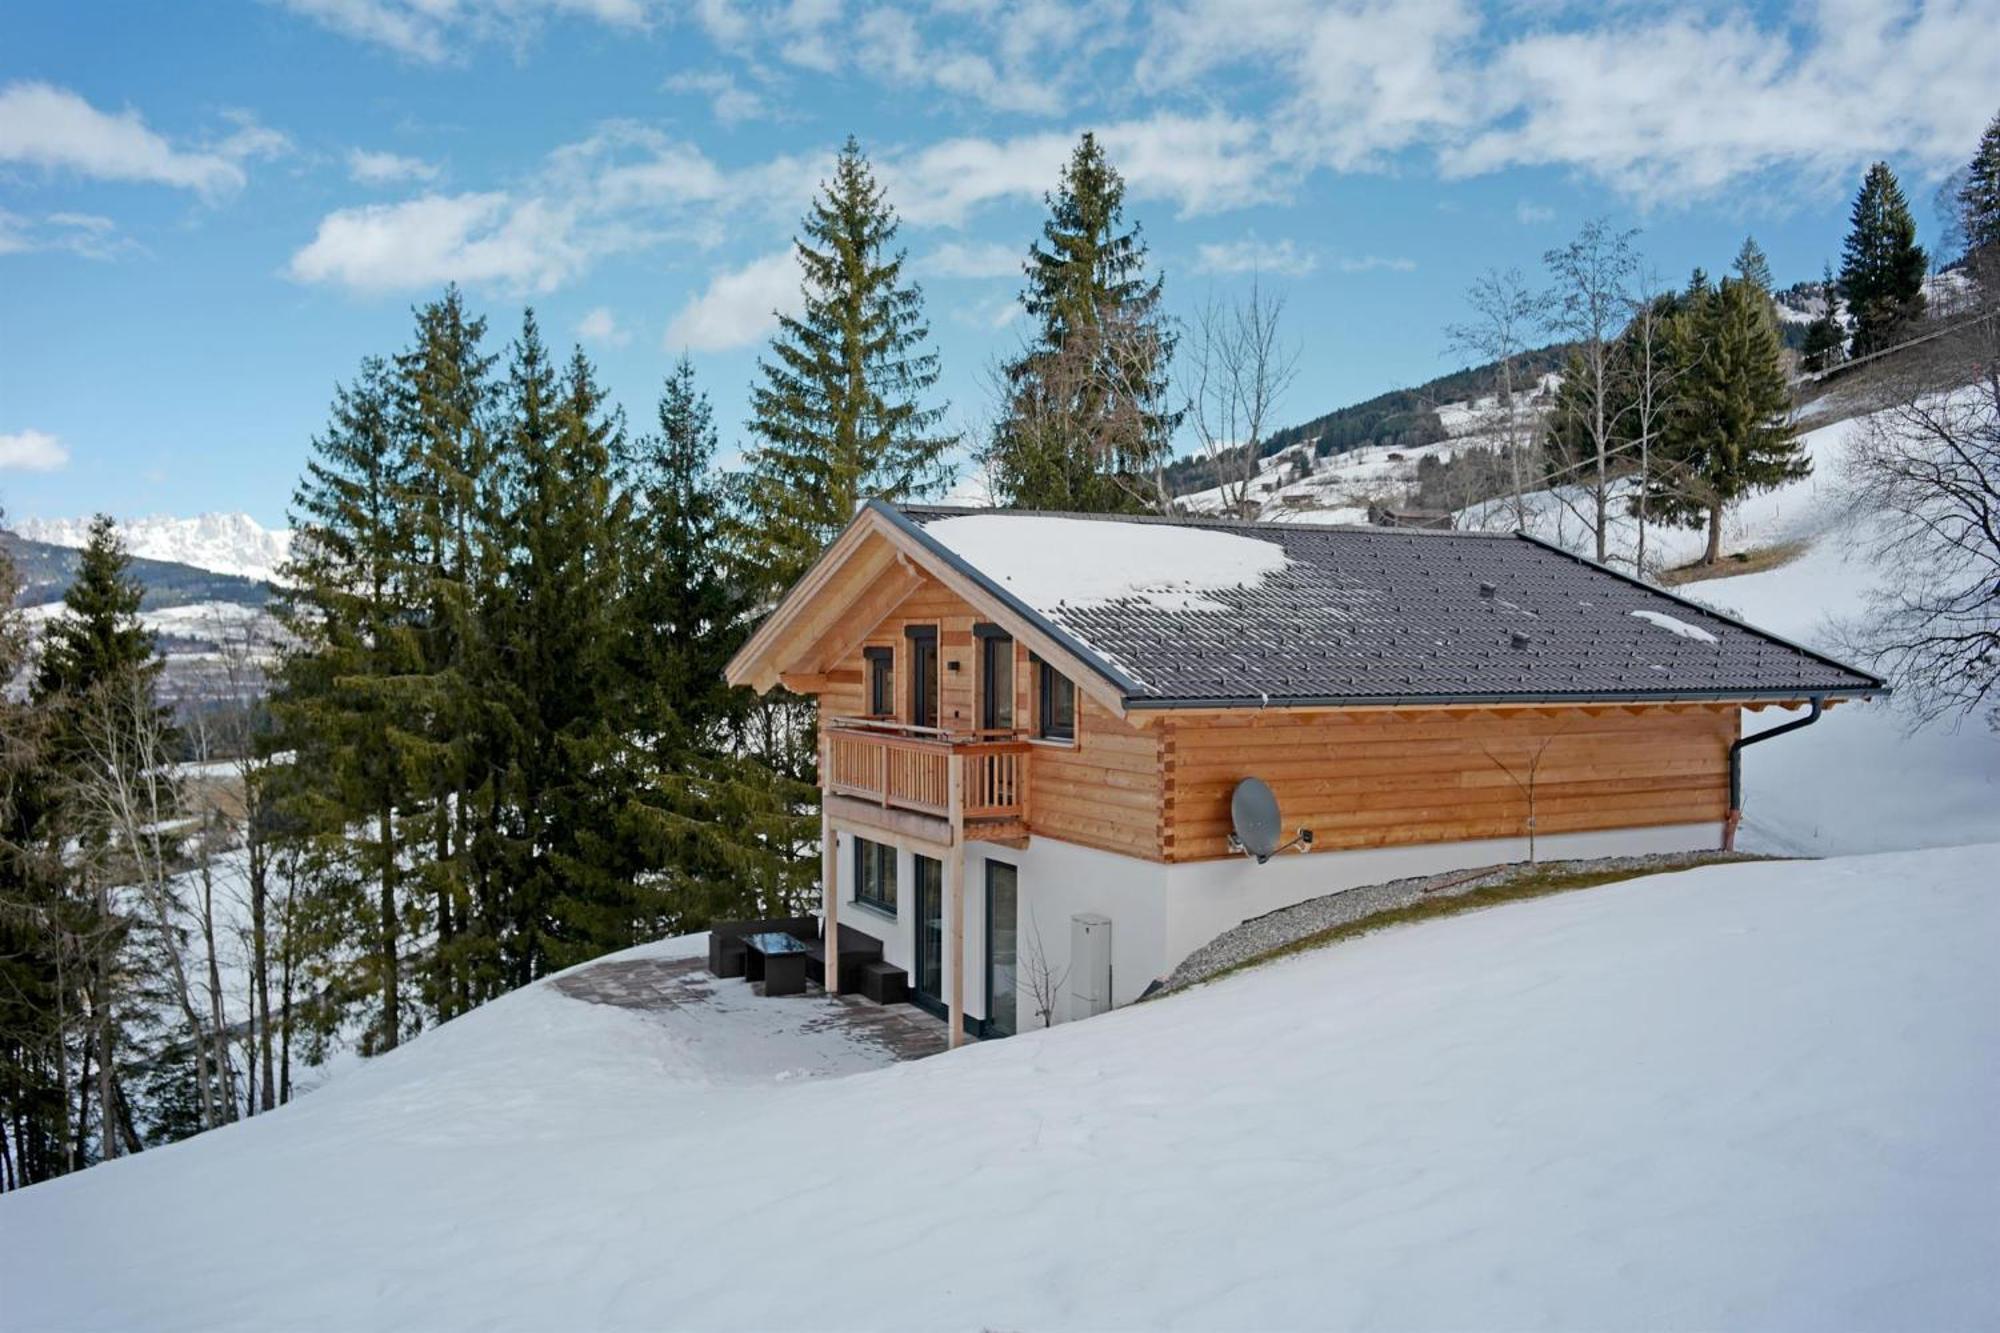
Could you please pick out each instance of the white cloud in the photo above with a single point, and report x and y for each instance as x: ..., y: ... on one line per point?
x: 518, y: 244
x: 44, y: 126
x: 738, y: 307
x: 1376, y: 264
x: 84, y: 234
x: 1529, y: 213
x: 728, y: 101
x: 1254, y: 256
x: 32, y: 451
x: 385, y: 168
x: 1661, y: 107
x: 437, y: 31
x: 599, y: 325
x: 977, y: 259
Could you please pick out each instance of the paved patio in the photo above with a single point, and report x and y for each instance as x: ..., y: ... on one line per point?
x: 739, y: 1033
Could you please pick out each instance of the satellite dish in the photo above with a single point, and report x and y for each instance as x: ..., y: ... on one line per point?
x: 1253, y: 811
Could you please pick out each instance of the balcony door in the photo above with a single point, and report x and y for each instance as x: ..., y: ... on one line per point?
x: 923, y: 676
x: 996, y: 679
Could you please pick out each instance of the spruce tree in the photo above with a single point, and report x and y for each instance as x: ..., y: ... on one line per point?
x: 727, y: 833
x: 1729, y: 433
x: 839, y: 413
x: 1086, y: 425
x: 1752, y: 266
x: 100, y: 639
x: 338, y: 702
x: 1979, y: 195
x: 1824, y: 336
x: 448, y: 494
x: 563, y: 685
x: 1882, y: 266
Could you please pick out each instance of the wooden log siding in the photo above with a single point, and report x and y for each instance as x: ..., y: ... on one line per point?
x: 1387, y: 779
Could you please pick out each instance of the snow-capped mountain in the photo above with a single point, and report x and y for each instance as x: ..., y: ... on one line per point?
x: 221, y: 543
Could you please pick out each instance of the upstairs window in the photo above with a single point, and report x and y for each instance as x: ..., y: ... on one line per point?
x: 881, y: 672
x: 875, y: 875
x: 1057, y: 705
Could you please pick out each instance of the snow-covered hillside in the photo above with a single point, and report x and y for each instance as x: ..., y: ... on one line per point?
x: 223, y: 543
x: 1748, y: 1096
x: 1292, y: 486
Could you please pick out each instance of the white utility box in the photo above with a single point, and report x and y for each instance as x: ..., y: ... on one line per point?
x: 1089, y: 964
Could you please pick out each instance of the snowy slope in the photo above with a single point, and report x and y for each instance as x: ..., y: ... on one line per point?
x: 1753, y: 1096
x: 223, y: 543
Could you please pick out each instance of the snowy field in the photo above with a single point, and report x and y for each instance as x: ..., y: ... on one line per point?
x: 1752, y: 1096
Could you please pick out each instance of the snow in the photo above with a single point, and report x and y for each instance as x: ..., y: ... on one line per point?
x: 1675, y: 625
x: 221, y: 543
x: 1757, y: 1095
x: 1052, y: 562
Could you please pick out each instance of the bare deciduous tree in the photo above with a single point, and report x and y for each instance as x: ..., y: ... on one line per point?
x: 1588, y: 305
x: 1045, y: 984
x: 1504, y: 309
x: 1235, y: 368
x: 1927, y: 467
x: 1526, y: 777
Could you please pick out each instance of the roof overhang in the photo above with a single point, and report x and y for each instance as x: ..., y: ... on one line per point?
x: 868, y: 570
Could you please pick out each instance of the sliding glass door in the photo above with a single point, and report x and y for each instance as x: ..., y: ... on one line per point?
x: 1003, y: 934
x: 929, y: 989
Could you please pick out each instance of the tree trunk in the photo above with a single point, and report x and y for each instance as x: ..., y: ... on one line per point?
x: 260, y: 961
x: 1714, y: 533
x: 218, y: 1022
x: 392, y: 1019
x: 107, y: 1097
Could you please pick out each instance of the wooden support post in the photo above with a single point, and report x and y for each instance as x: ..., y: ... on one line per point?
x: 829, y: 882
x: 954, y: 882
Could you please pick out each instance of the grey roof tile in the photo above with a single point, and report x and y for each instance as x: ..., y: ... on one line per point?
x: 1391, y: 615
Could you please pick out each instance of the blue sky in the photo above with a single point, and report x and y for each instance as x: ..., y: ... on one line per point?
x: 210, y: 211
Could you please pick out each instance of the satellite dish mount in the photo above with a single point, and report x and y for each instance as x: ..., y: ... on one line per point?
x: 1253, y: 810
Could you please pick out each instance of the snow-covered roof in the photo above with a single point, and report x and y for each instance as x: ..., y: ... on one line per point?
x: 1196, y: 612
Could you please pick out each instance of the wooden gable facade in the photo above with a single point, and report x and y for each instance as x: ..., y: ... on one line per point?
x: 1156, y: 784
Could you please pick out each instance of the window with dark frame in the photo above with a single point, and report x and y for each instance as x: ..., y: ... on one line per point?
x: 923, y: 675
x: 1056, y: 711
x: 875, y: 875
x: 996, y: 678
x: 881, y: 681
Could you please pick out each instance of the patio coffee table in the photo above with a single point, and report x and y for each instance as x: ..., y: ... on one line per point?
x: 778, y: 959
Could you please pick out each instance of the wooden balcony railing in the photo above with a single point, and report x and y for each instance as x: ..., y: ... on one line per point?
x: 909, y: 768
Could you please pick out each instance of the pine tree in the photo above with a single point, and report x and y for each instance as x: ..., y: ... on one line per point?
x: 1085, y: 423
x: 1824, y: 336
x: 1752, y: 266
x: 1979, y: 196
x: 338, y: 696
x: 839, y: 413
x: 1882, y: 266
x: 1729, y: 433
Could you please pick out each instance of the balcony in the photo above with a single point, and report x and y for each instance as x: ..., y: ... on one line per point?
x: 910, y: 768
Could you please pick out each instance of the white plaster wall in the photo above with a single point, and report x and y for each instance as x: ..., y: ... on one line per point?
x: 899, y: 934
x: 1060, y: 880
x: 1205, y: 898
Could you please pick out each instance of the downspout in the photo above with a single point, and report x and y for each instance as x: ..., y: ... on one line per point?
x: 1735, y: 815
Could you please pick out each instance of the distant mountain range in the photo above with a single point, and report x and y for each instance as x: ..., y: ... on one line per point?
x: 46, y: 569
x: 221, y: 543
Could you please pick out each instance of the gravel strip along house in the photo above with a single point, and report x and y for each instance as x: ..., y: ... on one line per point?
x: 1034, y: 729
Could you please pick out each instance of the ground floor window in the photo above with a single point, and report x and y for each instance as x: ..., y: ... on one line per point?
x: 875, y: 875
x: 1003, y: 925
x: 929, y: 981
